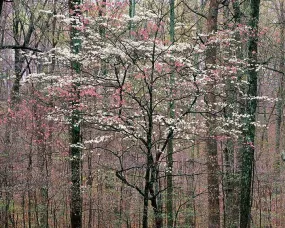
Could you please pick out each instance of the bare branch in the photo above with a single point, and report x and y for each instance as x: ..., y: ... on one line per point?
x: 14, y: 47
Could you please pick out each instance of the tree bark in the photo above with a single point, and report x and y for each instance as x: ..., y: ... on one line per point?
x: 249, y: 132
x: 280, y: 93
x: 211, y: 143
x: 169, y: 193
x: 75, y: 131
x: 146, y: 190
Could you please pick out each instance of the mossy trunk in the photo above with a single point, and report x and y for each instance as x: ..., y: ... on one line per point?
x: 247, y: 165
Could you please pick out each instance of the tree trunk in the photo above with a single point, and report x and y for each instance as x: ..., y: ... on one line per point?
x: 146, y: 190
x: 169, y: 193
x: 280, y: 93
x: 279, y: 111
x: 1, y: 7
x: 249, y: 132
x: 211, y: 143
x: 75, y: 132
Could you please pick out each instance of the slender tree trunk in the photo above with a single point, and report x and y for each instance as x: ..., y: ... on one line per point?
x: 279, y: 110
x: 89, y: 184
x: 1, y: 7
x: 211, y: 143
x: 75, y: 151
x: 75, y: 131
x: 23, y: 210
x: 169, y: 193
x: 249, y: 133
x: 280, y: 93
x: 146, y: 192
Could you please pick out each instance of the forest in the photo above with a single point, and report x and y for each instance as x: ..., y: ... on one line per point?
x: 142, y: 113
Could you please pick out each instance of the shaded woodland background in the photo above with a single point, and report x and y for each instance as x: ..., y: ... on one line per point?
x: 142, y: 113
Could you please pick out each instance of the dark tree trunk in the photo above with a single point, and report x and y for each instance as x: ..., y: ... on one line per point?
x: 75, y: 132
x: 249, y: 133
x: 1, y: 7
x: 146, y: 190
x: 169, y: 193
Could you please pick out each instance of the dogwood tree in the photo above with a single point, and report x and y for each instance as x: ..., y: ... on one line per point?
x: 124, y: 91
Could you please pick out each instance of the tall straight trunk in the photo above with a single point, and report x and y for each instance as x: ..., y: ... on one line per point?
x: 211, y: 143
x: 249, y: 132
x: 280, y: 93
x: 169, y: 193
x: 75, y: 132
x: 280, y: 107
x: 279, y: 115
